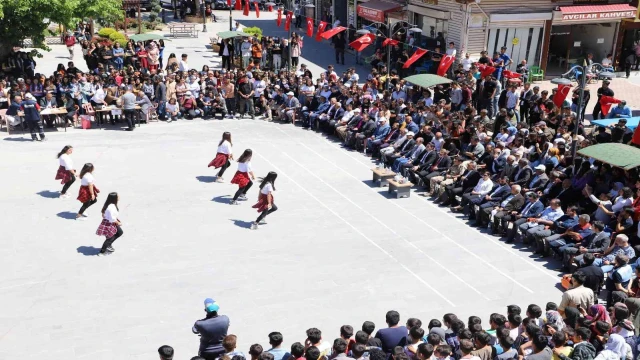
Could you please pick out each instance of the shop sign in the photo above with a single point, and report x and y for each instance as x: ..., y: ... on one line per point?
x: 598, y: 16
x: 370, y: 14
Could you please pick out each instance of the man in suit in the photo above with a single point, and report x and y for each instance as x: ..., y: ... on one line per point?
x: 492, y: 199
x: 359, y: 134
x: 512, y: 202
x: 341, y: 129
x: 538, y: 181
x: 522, y: 174
x: 404, y: 149
x: 482, y: 188
x: 48, y: 102
x: 380, y: 133
x: 226, y: 52
x: 439, y: 167
x: 467, y: 181
x: 409, y: 158
x: 596, y: 243
x: 336, y: 116
x: 566, y: 194
x: 532, y: 209
x: 508, y: 168
x: 574, y: 235
x: 391, y: 136
x: 439, y: 183
x: 423, y: 162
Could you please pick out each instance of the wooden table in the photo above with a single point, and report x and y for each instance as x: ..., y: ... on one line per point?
x: 182, y: 29
x: 401, y: 190
x: 381, y: 176
x: 56, y: 112
x: 107, y: 109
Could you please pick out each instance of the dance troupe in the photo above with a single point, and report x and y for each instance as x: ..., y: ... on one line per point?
x: 111, y: 227
x: 243, y: 178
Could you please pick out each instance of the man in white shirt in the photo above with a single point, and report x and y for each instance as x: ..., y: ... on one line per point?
x: 245, y: 49
x: 482, y: 188
x: 513, y: 96
x: 183, y: 64
x: 452, y: 49
x: 398, y: 93
x: 467, y: 62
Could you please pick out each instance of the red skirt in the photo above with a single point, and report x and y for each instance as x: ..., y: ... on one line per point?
x: 64, y: 175
x: 107, y: 229
x: 219, y: 160
x: 263, y: 202
x: 240, y: 178
x: 84, y: 194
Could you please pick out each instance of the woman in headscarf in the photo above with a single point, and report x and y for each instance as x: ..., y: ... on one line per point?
x: 554, y: 318
x: 623, y: 326
x: 615, y: 349
x: 598, y: 313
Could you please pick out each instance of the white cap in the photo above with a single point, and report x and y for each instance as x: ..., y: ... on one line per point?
x: 188, y: 93
x: 304, y: 108
x: 290, y: 93
x: 541, y: 168
x: 28, y: 96
x: 277, y: 87
x: 410, y: 133
x: 356, y: 110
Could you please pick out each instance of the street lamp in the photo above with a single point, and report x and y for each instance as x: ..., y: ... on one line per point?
x: 204, y: 17
x: 175, y: 9
x: 307, y: 4
x: 408, y: 27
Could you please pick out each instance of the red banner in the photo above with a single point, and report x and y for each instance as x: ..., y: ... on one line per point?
x: 287, y: 21
x: 331, y: 33
x: 362, y: 42
x: 246, y: 8
x: 445, y: 64
x: 257, y: 9
x: 309, y: 26
x: 416, y: 55
x: 606, y: 102
x: 561, y: 94
x: 270, y: 8
x: 485, y: 70
x: 238, y: 5
x: 229, y: 3
x: 321, y: 27
x: 390, y: 42
x: 279, y: 18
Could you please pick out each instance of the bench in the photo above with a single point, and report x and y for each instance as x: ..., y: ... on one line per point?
x: 381, y: 176
x: 180, y: 29
x: 400, y: 189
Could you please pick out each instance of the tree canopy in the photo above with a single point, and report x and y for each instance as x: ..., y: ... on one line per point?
x: 22, y: 19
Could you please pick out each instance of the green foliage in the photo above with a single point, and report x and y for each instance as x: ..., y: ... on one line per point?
x: 22, y: 19
x: 254, y: 31
x: 153, y: 15
x: 105, y: 32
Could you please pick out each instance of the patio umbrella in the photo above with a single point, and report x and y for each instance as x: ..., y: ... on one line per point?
x: 232, y: 34
x: 145, y: 37
x: 427, y: 80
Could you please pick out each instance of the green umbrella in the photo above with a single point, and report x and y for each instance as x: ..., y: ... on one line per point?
x: 145, y: 37
x: 427, y: 80
x: 619, y: 155
x: 232, y: 34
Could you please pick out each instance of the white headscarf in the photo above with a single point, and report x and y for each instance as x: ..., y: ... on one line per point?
x: 617, y: 345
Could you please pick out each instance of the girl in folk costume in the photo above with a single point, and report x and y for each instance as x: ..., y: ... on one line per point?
x: 110, y: 225
x: 222, y: 157
x: 265, y: 203
x: 242, y: 176
x: 88, y: 194
x: 66, y: 174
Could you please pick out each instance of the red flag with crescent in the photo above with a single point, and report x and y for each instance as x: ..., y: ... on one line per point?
x: 362, y: 42
x: 331, y: 33
x: 309, y: 26
x: 606, y: 102
x: 257, y: 9
x: 390, y: 42
x: 246, y: 8
x: 229, y: 3
x: 287, y: 21
x: 561, y: 94
x: 485, y: 70
x: 321, y: 27
x: 238, y: 5
x: 279, y: 18
x: 445, y: 64
x: 416, y: 55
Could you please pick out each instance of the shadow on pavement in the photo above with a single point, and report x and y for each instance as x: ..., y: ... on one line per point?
x: 241, y: 223
x: 88, y: 250
x: 49, y: 194
x: 206, y: 179
x: 67, y: 215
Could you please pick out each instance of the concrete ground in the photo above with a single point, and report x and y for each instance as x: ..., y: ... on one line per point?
x: 338, y: 251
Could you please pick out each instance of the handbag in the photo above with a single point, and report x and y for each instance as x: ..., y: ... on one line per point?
x: 85, y: 121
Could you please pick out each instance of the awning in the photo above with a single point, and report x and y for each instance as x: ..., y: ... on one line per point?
x: 597, y: 12
x: 374, y: 10
x: 619, y: 155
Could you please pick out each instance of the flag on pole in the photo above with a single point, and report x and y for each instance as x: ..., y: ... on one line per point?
x: 606, y: 102
x: 246, y: 8
x: 331, y: 33
x: 287, y: 21
x: 485, y: 70
x: 229, y: 3
x: 279, y: 18
x: 445, y: 64
x: 238, y: 5
x: 270, y: 8
x: 257, y: 9
x: 309, y: 26
x: 390, y: 42
x: 362, y: 42
x: 321, y: 27
x: 416, y: 55
x: 561, y: 94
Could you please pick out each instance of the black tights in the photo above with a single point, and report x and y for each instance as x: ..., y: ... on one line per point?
x: 266, y: 212
x: 243, y: 190
x: 111, y: 240
x: 223, y: 168
x: 68, y: 184
x: 86, y: 205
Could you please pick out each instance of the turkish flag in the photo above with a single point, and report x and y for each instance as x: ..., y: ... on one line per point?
x: 445, y: 64
x: 362, y: 42
x: 229, y: 3
x: 238, y: 5
x: 270, y: 8
x: 321, y: 27
x: 561, y: 94
x: 257, y: 9
x: 329, y: 34
x: 390, y: 42
x: 287, y: 21
x: 511, y: 75
x: 246, y: 8
x: 485, y: 70
x: 606, y: 102
x: 416, y: 55
x: 279, y: 18
x: 309, y: 26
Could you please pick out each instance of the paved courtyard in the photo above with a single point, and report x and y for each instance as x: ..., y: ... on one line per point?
x: 338, y: 251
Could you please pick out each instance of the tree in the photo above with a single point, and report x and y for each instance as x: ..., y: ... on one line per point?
x: 23, y: 19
